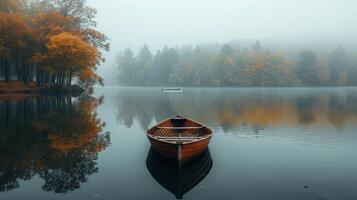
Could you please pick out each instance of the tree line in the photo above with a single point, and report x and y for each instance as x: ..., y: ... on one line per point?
x: 50, y: 42
x: 234, y: 66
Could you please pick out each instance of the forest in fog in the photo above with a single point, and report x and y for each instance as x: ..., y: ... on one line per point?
x: 232, y: 65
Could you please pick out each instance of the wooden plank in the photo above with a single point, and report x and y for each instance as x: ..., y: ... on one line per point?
x: 177, y: 138
x: 179, y: 128
x: 187, y: 139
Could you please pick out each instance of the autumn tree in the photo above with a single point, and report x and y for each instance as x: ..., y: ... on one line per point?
x: 223, y: 67
x: 69, y: 56
x: 323, y: 72
x: 267, y: 69
x: 32, y: 33
x: 83, y: 17
x: 52, y: 23
x: 15, y: 41
x: 306, y: 67
x: 338, y: 61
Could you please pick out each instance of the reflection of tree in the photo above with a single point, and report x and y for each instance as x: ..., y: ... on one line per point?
x: 143, y: 108
x: 231, y: 109
x: 56, y: 138
x: 9, y: 177
x: 72, y: 129
x: 337, y: 105
x: 305, y: 107
x: 67, y: 171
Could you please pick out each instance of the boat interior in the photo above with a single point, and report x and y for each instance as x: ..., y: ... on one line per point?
x: 178, y: 128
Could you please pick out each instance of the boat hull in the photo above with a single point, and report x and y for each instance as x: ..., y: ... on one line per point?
x: 181, y: 152
x: 178, y: 178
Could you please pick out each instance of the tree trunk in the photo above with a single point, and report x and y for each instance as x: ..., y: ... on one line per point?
x: 6, y: 71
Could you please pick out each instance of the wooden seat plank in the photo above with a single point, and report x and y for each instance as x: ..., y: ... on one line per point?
x: 176, y: 138
x: 178, y: 128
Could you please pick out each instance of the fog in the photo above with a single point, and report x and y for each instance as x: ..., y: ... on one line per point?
x: 182, y: 22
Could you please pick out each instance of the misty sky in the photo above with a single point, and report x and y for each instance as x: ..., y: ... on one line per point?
x: 132, y: 23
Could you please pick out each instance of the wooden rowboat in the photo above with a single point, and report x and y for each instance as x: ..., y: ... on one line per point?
x: 179, y: 138
x: 178, y: 178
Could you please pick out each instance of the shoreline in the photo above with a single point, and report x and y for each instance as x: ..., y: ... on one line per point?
x: 228, y: 87
x: 18, y: 88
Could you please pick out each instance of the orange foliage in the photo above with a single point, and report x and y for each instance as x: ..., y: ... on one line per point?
x: 40, y: 36
x: 53, y: 23
x: 81, y: 129
x: 14, y: 32
x: 281, y: 112
x: 264, y: 114
x: 84, y: 130
x: 67, y: 51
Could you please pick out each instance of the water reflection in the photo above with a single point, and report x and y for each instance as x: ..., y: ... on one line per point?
x: 56, y: 139
x: 178, y: 178
x: 230, y: 109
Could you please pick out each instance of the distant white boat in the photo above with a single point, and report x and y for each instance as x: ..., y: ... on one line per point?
x: 171, y: 90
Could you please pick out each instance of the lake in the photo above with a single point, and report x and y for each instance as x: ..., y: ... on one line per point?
x: 282, y: 143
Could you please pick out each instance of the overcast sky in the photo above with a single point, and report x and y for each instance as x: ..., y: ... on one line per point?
x: 132, y: 23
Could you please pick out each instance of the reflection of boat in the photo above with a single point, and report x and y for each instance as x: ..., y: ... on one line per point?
x: 176, y: 177
x: 171, y: 89
x: 179, y: 138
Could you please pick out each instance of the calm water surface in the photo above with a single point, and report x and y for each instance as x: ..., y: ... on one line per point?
x: 267, y: 144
